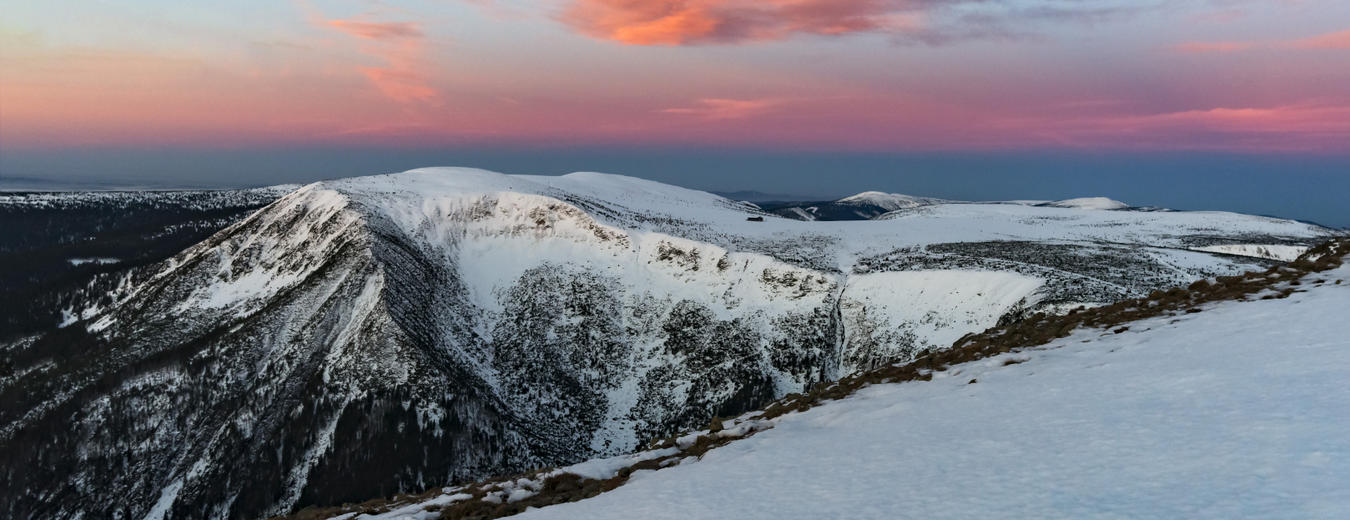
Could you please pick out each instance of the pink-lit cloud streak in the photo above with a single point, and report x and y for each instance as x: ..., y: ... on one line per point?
x: 1336, y: 40
x: 402, y: 47
x: 722, y: 108
x: 1286, y: 128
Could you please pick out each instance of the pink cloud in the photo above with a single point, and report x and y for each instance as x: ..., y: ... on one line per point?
x: 1299, y: 127
x: 1280, y: 119
x: 1208, y: 47
x: 401, y: 46
x: 377, y: 30
x: 1336, y: 40
x: 722, y: 108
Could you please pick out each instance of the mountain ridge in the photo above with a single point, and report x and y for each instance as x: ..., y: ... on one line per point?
x: 380, y: 334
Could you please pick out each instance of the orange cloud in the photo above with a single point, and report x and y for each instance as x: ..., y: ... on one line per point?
x: 1336, y: 40
x: 722, y: 108
x: 401, y: 46
x: 683, y: 22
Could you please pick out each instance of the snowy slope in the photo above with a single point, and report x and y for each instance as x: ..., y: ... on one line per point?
x: 890, y: 316
x: 372, y: 335
x: 1235, y: 412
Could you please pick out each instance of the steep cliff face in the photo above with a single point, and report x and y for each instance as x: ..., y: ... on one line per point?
x: 367, y: 336
x: 256, y: 371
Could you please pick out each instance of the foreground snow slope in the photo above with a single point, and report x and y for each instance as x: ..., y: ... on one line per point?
x: 1239, y: 411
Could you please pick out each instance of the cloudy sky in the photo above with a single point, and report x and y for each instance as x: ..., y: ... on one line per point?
x: 1244, y: 75
x: 1132, y: 78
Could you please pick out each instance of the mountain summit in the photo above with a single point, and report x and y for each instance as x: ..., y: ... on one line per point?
x: 888, y: 201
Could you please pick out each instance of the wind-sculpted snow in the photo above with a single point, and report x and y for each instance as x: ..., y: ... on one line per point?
x: 375, y: 335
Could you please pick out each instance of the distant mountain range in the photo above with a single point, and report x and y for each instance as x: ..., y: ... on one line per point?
x: 870, y: 205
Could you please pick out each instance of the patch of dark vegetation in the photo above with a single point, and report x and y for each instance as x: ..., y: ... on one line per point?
x: 815, y: 252
x: 718, y: 362
x: 1073, y: 273
x: 824, y: 210
x: 558, y: 348
x: 873, y: 342
x: 668, y: 252
x: 546, y: 217
x: 801, y: 285
x: 59, y: 249
x: 1038, y: 329
x: 1245, y: 238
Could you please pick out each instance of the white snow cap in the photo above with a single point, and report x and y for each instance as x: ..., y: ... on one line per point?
x: 1090, y: 203
x: 888, y: 201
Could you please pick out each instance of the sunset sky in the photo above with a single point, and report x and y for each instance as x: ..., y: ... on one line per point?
x: 1269, y: 77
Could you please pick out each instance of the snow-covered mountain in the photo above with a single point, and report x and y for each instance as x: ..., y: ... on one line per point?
x: 373, y: 335
x: 1089, y: 203
x: 862, y: 206
x: 870, y: 205
x: 888, y: 201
